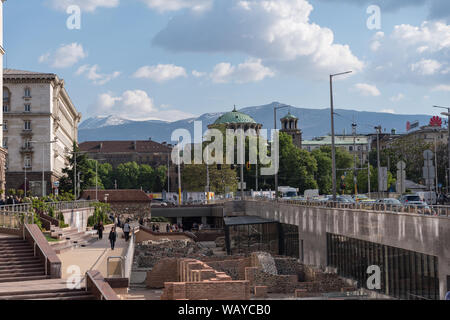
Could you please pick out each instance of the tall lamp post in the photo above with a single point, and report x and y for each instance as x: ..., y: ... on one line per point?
x: 43, y: 161
x: 275, y: 128
x: 75, y: 155
x: 448, y: 142
x: 333, y: 151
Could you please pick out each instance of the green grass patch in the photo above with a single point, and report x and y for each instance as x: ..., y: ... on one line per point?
x: 50, y: 239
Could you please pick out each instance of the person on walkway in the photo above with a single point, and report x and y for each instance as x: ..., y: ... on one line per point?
x: 153, y: 228
x: 167, y: 228
x: 100, y: 229
x: 116, y: 222
x: 112, y: 237
x: 126, y: 230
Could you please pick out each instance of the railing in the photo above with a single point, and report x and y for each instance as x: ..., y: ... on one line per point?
x: 14, y: 220
x: 57, y: 206
x: 128, y: 258
x: 441, y: 211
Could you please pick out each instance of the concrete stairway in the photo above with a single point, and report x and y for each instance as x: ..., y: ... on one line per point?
x: 70, y: 237
x: 17, y: 261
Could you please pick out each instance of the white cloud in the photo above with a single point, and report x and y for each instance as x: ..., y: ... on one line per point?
x: 198, y: 74
x: 135, y: 105
x: 250, y: 71
x: 426, y: 67
x: 277, y: 31
x: 175, y: 5
x: 442, y: 87
x: 85, y: 5
x: 397, y: 98
x: 375, y: 45
x: 366, y: 89
x: 391, y: 111
x: 161, y: 72
x: 97, y: 78
x: 65, y: 56
x: 413, y: 54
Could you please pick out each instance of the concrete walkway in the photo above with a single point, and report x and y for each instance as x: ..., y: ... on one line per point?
x: 92, y: 257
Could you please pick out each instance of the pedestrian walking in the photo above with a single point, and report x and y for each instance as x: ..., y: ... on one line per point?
x: 116, y: 222
x: 126, y: 230
x: 153, y: 228
x: 100, y: 229
x: 112, y: 237
x: 167, y: 228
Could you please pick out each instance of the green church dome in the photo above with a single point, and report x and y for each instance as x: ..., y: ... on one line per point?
x: 234, y: 117
x: 290, y: 116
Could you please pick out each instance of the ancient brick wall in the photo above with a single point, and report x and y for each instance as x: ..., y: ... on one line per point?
x: 164, y: 271
x: 216, y: 290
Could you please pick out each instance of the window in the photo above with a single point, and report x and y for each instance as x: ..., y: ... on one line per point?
x: 27, y: 107
x: 6, y: 99
x: 27, y: 144
x: 27, y: 162
x: 5, y: 125
x: 27, y: 93
x: 350, y: 148
x: 5, y: 143
x: 27, y: 125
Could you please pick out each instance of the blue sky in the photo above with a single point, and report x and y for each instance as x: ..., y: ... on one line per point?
x: 170, y: 59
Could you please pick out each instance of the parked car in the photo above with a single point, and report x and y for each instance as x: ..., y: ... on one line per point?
x: 158, y: 203
x: 407, y: 198
x: 391, y: 201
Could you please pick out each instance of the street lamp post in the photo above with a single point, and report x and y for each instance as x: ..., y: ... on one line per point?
x: 333, y: 151
x: 448, y: 142
x: 378, y: 157
x: 275, y: 128
x: 43, y: 161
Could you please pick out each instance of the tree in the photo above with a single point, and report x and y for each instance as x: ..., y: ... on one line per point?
x: 84, y: 168
x: 297, y: 166
x: 159, y: 178
x: 146, y: 177
x: 323, y: 174
x: 127, y: 175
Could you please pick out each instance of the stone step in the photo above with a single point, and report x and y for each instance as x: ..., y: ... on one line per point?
x: 20, y: 271
x: 49, y: 295
x: 24, y: 278
x: 7, y: 256
x: 15, y: 246
x: 21, y: 266
x: 84, y: 297
x: 22, y: 260
x: 38, y: 272
x: 16, y: 251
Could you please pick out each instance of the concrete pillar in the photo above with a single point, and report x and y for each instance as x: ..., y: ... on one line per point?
x: 179, y: 220
x: 204, y: 221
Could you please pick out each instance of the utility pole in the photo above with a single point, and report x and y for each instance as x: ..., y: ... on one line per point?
x: 333, y: 151
x: 242, y: 181
x: 275, y: 128
x: 179, y: 175
x: 168, y: 172
x: 355, y: 180
x: 378, y: 157
x: 256, y: 185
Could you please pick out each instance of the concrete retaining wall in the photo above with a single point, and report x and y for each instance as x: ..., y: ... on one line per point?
x: 424, y: 234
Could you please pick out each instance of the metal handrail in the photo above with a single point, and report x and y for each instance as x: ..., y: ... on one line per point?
x: 122, y: 266
x: 437, y: 211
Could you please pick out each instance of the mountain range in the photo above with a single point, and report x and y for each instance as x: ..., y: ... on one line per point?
x: 312, y: 122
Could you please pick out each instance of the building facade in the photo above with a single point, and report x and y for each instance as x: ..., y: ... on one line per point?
x: 3, y: 151
x: 359, y: 145
x: 40, y: 124
x: 146, y: 152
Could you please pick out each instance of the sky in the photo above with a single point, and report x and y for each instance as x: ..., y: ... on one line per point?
x: 174, y: 59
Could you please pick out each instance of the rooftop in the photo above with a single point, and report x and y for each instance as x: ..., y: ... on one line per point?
x: 339, y: 140
x: 23, y: 74
x: 140, y: 146
x: 126, y: 195
x: 234, y: 117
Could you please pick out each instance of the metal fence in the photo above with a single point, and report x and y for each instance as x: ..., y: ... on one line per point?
x: 13, y: 220
x: 57, y: 206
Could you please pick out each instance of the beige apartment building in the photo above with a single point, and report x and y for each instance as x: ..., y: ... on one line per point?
x: 40, y: 124
x: 2, y: 150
